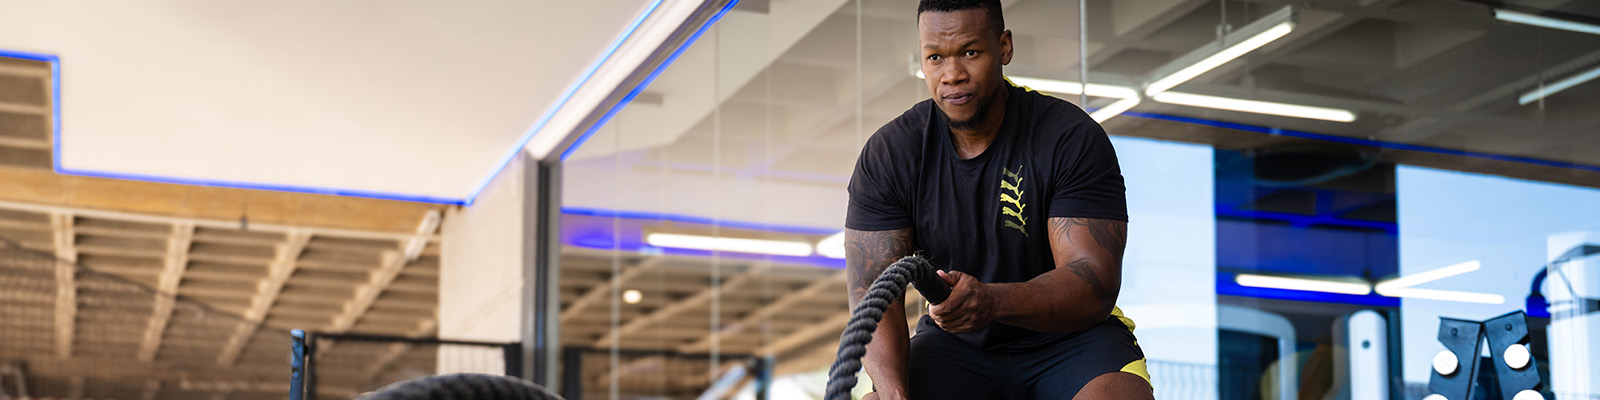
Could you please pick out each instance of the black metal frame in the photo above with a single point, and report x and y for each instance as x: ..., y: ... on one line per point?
x: 302, y: 356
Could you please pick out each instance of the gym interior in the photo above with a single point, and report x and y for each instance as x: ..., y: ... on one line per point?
x: 645, y: 199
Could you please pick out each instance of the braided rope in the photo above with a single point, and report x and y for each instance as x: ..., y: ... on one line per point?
x: 463, y: 387
x: 841, y: 377
x: 864, y: 319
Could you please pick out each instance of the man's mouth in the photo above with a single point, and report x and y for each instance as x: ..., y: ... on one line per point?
x: 959, y: 98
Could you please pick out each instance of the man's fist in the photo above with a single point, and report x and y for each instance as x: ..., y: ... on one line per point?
x: 971, y: 304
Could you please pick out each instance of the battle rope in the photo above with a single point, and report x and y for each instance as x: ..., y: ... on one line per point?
x: 864, y: 319
x: 462, y: 387
x: 841, y: 377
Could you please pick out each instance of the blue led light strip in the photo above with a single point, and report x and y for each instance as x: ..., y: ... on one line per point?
x: 561, y: 102
x: 645, y: 83
x: 1364, y: 142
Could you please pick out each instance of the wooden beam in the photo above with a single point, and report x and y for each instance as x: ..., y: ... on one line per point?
x: 787, y: 302
x: 598, y: 292
x: 278, y: 273
x: 34, y: 144
x: 19, y: 108
x: 75, y: 387
x: 398, y: 349
x: 151, y: 389
x: 167, y: 289
x: 691, y: 302
x: 392, y: 263
x: 42, y: 190
x: 830, y: 326
x: 66, y: 314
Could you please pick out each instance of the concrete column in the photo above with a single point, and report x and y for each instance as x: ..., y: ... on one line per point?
x: 492, y: 269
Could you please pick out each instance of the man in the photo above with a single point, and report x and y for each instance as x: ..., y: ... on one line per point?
x: 1020, y: 197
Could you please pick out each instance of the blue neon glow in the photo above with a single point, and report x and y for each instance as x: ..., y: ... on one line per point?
x: 645, y: 83
x: 55, y: 95
x: 522, y: 142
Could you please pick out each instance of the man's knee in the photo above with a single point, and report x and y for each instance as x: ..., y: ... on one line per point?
x: 1116, y: 385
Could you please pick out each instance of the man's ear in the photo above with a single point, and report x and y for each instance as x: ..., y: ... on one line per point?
x: 1005, y: 47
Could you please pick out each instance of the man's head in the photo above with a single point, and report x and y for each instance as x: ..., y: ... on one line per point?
x: 963, y: 44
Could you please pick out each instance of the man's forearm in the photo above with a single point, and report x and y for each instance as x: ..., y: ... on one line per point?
x: 1057, y: 301
x: 885, y: 360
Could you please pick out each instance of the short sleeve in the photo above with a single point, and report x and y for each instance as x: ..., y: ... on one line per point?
x: 877, y: 199
x: 1087, y: 182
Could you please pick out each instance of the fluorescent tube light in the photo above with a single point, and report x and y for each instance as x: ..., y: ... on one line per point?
x: 1244, y: 40
x: 1557, y: 86
x: 1068, y: 87
x: 832, y: 246
x: 1404, y: 286
x: 1444, y: 295
x: 1428, y: 276
x: 739, y: 245
x: 1255, y: 106
x: 1302, y: 284
x: 1216, y: 60
x: 1064, y: 87
x: 1111, y: 110
x: 1543, y: 21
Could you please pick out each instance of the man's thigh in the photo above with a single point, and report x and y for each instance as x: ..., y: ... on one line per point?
x: 941, y: 366
x: 1093, y: 363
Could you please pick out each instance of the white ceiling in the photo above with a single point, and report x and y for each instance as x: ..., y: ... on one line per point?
x: 415, y: 98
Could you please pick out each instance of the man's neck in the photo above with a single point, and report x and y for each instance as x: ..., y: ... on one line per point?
x: 971, y: 143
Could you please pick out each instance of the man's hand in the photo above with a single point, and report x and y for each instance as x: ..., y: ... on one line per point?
x: 970, y: 307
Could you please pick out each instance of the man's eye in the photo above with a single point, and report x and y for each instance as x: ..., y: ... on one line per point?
x: 971, y: 53
x: 934, y: 57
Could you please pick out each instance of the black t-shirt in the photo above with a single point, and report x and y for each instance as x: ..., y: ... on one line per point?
x: 988, y: 216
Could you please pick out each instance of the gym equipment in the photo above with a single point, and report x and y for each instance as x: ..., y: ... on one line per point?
x: 864, y: 319
x: 1515, y: 371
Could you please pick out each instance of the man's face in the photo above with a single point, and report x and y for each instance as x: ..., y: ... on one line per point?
x: 961, y: 59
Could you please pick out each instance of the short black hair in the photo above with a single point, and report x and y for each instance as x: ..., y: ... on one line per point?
x: 996, y: 21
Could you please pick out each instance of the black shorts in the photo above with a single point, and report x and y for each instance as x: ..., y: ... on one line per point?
x: 942, y: 366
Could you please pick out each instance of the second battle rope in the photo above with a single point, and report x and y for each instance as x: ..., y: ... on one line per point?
x: 864, y: 319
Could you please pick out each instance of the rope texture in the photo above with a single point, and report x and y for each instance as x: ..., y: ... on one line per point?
x: 463, y: 387
x: 864, y: 319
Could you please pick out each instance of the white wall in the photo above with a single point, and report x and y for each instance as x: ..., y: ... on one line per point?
x: 480, y: 278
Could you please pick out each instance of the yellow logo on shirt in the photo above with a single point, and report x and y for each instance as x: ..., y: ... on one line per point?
x: 1013, y: 199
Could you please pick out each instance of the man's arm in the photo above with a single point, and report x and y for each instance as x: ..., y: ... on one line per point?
x: 866, y: 255
x: 1079, y: 293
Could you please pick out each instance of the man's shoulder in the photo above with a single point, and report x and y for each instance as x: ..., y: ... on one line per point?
x: 905, y: 132
x: 1052, y: 118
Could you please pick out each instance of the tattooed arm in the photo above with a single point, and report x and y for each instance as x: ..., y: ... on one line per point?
x: 1079, y: 293
x: 866, y: 255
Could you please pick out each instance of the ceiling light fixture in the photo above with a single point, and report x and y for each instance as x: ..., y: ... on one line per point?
x: 738, y: 245
x: 1404, y: 286
x: 1256, y: 106
x: 632, y: 296
x: 1247, y: 39
x: 1302, y: 284
x: 832, y: 246
x: 1557, y: 86
x: 1113, y: 109
x: 1543, y: 21
x: 1127, y: 97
